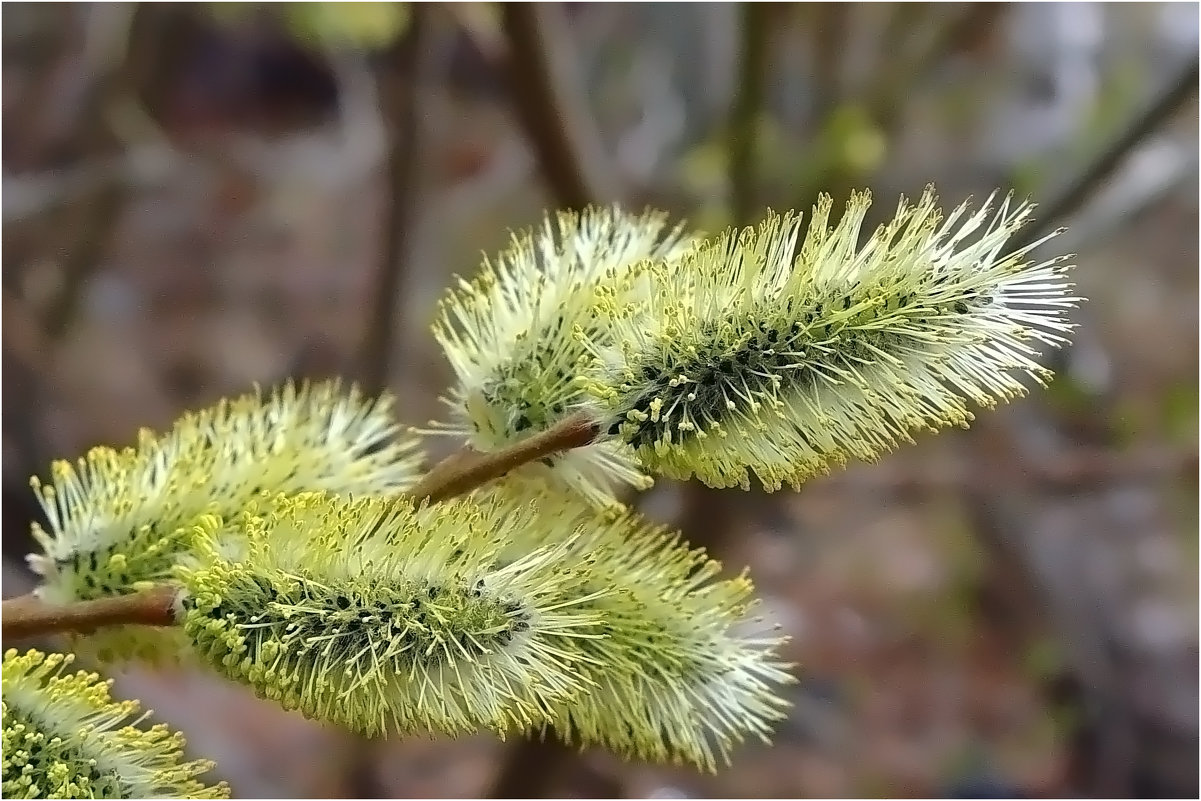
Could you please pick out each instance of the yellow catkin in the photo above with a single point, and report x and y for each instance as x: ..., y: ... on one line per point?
x: 65, y: 737
x: 770, y: 352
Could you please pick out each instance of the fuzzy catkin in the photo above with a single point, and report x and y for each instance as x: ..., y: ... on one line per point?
x: 755, y: 356
x: 65, y: 737
x: 684, y: 672
x: 386, y: 617
x: 508, y: 334
x: 118, y: 519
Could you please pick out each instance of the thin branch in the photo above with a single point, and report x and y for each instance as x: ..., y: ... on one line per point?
x: 540, y: 77
x: 830, y: 35
x: 29, y: 616
x: 744, y: 116
x: 90, y: 224
x: 1078, y: 190
x: 399, y: 106
x: 468, y: 469
x: 887, y: 96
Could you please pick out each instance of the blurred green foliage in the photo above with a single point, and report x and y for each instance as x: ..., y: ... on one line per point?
x: 364, y: 25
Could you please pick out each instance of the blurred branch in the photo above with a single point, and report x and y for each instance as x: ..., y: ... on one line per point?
x: 831, y: 24
x: 894, y: 83
x: 91, y: 222
x: 744, y: 115
x: 888, y: 95
x: 29, y: 616
x: 407, y: 62
x: 543, y: 86
x: 902, y: 20
x: 1077, y: 191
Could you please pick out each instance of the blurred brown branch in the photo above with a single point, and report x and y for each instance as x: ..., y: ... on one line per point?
x: 542, y: 82
x: 1080, y: 188
x: 90, y: 220
x: 400, y: 85
x: 748, y: 105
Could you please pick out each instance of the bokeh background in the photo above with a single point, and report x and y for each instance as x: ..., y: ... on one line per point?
x: 197, y: 197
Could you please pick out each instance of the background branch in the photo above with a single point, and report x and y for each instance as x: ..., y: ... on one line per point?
x: 401, y: 79
x: 1077, y: 191
x: 542, y: 87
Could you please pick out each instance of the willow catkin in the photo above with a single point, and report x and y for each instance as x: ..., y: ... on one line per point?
x: 752, y: 356
x: 685, y: 672
x: 118, y: 519
x: 387, y: 617
x: 508, y: 334
x: 65, y: 737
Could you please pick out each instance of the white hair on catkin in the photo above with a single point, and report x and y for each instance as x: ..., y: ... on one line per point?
x: 685, y: 672
x: 753, y: 357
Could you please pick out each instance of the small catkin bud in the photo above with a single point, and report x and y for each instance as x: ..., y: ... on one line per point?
x: 515, y: 337
x: 65, y: 737
x: 680, y: 675
x: 119, y: 519
x: 382, y: 616
x: 753, y: 356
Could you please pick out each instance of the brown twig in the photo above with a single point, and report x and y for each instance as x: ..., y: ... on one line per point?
x: 400, y: 82
x: 90, y: 221
x: 468, y: 469
x: 540, y: 75
x: 28, y: 615
x: 1078, y: 190
x: 744, y: 116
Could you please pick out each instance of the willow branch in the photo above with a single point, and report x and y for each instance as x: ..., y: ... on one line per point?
x: 1078, y: 190
x: 540, y: 81
x: 400, y: 83
x: 29, y: 616
x: 468, y: 469
x: 744, y: 116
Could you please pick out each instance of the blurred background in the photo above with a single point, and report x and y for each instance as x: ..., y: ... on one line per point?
x: 198, y: 197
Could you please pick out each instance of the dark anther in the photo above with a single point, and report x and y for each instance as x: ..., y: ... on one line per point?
x: 343, y: 602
